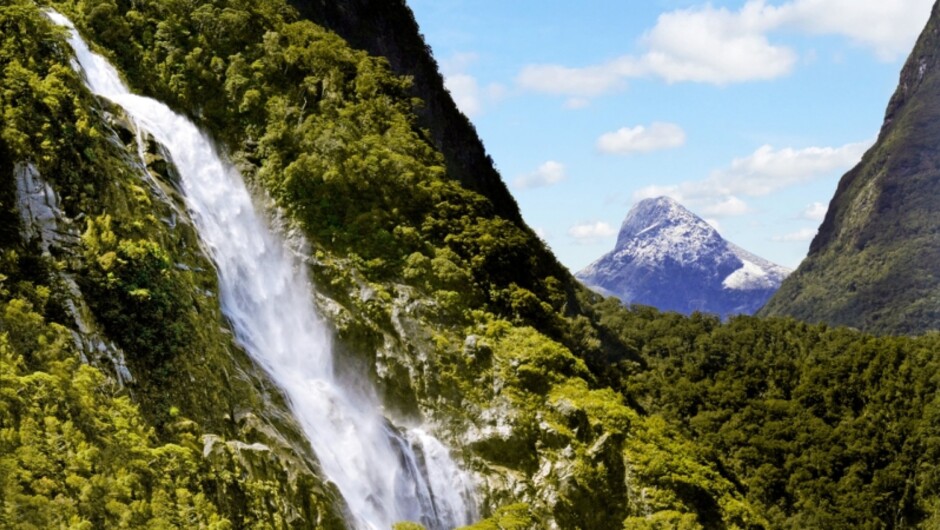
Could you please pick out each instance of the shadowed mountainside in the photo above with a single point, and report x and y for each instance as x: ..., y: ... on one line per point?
x: 874, y: 263
x: 387, y: 28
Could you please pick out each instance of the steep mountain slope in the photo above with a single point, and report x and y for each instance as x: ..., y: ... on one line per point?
x: 126, y: 401
x: 669, y: 258
x: 874, y: 263
x: 460, y: 320
x: 387, y: 28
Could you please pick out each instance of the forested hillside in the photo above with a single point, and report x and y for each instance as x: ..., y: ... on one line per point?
x: 464, y: 321
x: 821, y: 427
x: 387, y: 28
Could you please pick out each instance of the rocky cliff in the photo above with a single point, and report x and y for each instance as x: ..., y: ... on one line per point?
x: 873, y: 264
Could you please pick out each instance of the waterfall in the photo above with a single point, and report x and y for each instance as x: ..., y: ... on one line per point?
x: 384, y: 475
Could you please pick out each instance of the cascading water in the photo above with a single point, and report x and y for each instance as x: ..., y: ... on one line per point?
x: 383, y: 475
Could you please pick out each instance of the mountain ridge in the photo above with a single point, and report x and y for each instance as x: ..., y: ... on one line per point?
x: 663, y: 250
x: 456, y: 314
x: 872, y: 264
x: 387, y: 28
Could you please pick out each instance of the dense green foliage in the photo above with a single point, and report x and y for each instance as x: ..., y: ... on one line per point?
x: 76, y: 453
x: 822, y: 427
x: 146, y: 287
x: 388, y: 28
x: 331, y: 133
x: 337, y: 147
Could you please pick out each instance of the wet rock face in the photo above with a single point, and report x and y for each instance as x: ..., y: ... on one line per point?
x: 251, y: 442
x: 46, y: 226
x: 41, y: 213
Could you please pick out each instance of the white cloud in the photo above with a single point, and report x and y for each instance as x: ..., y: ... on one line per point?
x: 580, y: 83
x: 765, y: 171
x: 591, y: 232
x: 465, y: 89
x: 887, y: 28
x: 577, y: 103
x: 768, y: 169
x: 653, y: 191
x: 642, y: 139
x: 715, y: 223
x: 466, y: 93
x: 719, y: 46
x: 815, y: 212
x: 548, y: 174
x: 459, y: 62
x: 729, y: 207
x: 805, y: 234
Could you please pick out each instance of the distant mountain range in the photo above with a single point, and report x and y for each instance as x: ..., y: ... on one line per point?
x: 669, y: 258
x: 875, y: 263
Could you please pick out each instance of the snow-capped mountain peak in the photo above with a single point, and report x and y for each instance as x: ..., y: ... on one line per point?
x: 668, y: 257
x: 656, y: 229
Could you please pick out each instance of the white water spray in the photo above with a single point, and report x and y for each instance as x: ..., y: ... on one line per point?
x: 383, y: 475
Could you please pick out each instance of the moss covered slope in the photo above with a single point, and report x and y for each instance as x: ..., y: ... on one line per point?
x: 462, y: 318
x: 873, y: 264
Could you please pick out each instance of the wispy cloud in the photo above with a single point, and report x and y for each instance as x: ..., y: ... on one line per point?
x: 761, y: 173
x: 719, y: 46
x: 768, y: 170
x: 590, y: 81
x: 548, y: 174
x: 729, y: 207
x: 591, y: 232
x: 577, y: 103
x: 465, y: 89
x: 888, y: 29
x: 642, y: 139
x: 815, y: 212
x: 805, y: 234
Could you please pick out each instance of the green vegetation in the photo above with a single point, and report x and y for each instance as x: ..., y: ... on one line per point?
x: 513, y: 517
x: 133, y: 283
x: 146, y: 289
x: 75, y: 452
x: 331, y: 133
x: 388, y: 28
x: 821, y: 427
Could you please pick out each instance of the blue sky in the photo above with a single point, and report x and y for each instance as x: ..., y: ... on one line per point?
x: 747, y: 112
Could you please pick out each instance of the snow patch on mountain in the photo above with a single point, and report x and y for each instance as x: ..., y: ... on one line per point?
x: 750, y: 276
